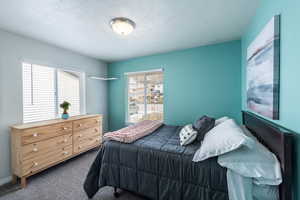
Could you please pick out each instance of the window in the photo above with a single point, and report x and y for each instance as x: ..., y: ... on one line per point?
x: 145, y: 96
x: 44, y: 88
x: 68, y: 89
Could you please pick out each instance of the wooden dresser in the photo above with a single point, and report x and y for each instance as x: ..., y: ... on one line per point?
x: 38, y: 146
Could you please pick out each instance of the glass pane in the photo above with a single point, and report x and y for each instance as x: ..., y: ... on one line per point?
x: 155, y: 96
x: 68, y: 88
x: 136, y: 96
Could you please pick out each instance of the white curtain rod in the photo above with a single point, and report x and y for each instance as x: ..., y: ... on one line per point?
x: 102, y: 78
x: 142, y: 72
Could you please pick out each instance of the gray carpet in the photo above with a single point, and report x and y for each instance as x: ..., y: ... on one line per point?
x: 64, y: 182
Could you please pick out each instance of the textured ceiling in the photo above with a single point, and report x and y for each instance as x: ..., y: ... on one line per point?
x: 161, y: 25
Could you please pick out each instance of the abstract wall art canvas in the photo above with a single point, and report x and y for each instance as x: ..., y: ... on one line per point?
x: 263, y: 62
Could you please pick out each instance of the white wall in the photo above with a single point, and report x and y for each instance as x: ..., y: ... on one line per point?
x: 13, y: 50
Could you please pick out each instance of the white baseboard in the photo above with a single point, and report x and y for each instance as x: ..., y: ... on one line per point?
x: 5, y: 180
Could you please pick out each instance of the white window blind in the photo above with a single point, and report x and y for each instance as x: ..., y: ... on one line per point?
x: 45, y: 88
x: 68, y: 88
x: 145, y: 96
x: 38, y: 93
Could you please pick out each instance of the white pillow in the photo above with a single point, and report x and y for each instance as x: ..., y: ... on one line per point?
x: 223, y: 138
x: 258, y: 163
x: 187, y: 135
x: 221, y: 120
x: 265, y: 192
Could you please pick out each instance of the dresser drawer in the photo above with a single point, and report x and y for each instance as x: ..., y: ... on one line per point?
x: 41, y: 133
x: 87, y: 123
x: 44, y: 160
x: 86, y: 133
x: 41, y: 148
x: 86, y: 143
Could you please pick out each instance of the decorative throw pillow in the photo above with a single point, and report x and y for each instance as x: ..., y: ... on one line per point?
x: 203, y: 125
x: 187, y: 135
x: 222, y: 139
x: 221, y: 120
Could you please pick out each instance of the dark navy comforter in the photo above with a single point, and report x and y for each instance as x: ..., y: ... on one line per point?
x: 157, y: 167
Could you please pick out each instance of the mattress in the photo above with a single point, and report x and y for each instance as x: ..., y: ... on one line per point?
x: 157, y: 167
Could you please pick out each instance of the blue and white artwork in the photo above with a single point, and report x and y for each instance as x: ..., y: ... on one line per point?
x: 263, y: 60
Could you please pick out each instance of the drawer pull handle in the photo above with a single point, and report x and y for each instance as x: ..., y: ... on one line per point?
x: 80, y: 135
x: 97, y: 120
x: 79, y: 147
x: 66, y: 153
x: 96, y: 130
x: 97, y: 140
x: 65, y: 140
x: 80, y: 125
x: 35, y: 149
x: 65, y: 128
x: 35, y: 134
x: 35, y: 164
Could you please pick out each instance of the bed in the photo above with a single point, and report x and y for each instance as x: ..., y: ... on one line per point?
x: 157, y: 167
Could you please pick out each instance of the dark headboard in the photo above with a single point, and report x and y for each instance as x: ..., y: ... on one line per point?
x: 279, y: 141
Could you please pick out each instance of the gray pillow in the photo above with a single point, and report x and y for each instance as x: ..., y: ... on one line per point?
x: 203, y: 125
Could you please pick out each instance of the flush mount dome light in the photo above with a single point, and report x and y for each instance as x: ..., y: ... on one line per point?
x: 122, y: 25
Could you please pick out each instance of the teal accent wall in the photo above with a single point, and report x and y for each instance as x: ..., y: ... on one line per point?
x: 198, y: 81
x: 289, y: 70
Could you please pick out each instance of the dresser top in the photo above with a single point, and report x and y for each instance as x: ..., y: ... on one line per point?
x: 52, y: 121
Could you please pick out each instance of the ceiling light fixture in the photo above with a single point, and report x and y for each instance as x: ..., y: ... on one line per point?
x: 122, y: 25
